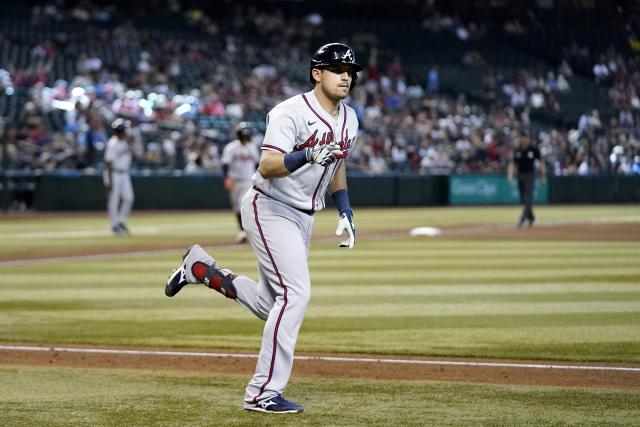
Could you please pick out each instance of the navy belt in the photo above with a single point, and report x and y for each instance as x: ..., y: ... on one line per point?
x: 305, y: 211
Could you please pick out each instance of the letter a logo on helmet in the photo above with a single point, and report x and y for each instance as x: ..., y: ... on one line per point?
x: 335, y: 54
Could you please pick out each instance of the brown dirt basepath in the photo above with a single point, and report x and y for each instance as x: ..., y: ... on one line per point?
x: 336, y: 369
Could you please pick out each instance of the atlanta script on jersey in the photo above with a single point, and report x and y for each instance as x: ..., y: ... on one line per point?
x: 298, y: 123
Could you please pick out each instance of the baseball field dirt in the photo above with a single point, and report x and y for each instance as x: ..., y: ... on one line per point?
x: 571, y: 377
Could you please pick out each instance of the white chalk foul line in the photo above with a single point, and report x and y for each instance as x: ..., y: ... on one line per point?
x: 319, y: 358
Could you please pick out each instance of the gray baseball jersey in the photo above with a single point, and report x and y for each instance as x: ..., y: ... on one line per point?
x: 241, y: 160
x: 295, y: 124
x: 277, y: 215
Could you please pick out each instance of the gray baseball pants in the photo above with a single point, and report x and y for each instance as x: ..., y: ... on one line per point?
x: 240, y: 188
x: 280, y: 237
x: 120, y: 198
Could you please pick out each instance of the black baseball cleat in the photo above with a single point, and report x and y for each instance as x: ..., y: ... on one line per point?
x: 123, y: 228
x: 183, y: 275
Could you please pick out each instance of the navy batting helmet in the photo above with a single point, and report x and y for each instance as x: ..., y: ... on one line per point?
x: 335, y: 54
x: 120, y: 125
x: 243, y: 130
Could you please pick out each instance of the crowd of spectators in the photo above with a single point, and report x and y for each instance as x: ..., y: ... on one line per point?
x: 184, y: 93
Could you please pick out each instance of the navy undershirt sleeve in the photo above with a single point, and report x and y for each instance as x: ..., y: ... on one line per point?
x: 341, y: 200
x: 295, y: 160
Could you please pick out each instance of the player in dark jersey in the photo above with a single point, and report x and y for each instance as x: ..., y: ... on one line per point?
x: 525, y: 158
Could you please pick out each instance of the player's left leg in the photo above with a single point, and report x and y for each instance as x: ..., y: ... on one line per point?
x: 113, y: 203
x: 127, y: 202
x: 240, y: 188
x: 199, y: 268
x: 528, y: 202
x: 522, y: 192
x: 279, y: 238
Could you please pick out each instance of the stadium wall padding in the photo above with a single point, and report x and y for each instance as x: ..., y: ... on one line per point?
x: 78, y: 191
x: 152, y: 191
x: 594, y: 189
x: 415, y: 190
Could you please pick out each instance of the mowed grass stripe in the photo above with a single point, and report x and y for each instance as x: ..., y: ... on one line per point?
x: 418, y: 277
x: 426, y: 269
x: 419, y: 261
x: 422, y: 268
x: 402, y: 249
x: 91, y: 303
x: 106, y: 313
x: 611, y: 345
x: 214, y: 322
x: 152, y: 291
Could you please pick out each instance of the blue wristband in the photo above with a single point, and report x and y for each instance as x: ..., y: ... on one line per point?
x: 341, y: 200
x: 295, y: 160
x: 225, y: 170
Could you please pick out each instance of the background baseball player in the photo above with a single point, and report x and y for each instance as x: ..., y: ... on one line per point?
x: 524, y: 160
x: 239, y: 160
x: 307, y: 138
x: 117, y: 182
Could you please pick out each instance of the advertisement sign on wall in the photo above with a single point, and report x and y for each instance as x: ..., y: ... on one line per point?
x: 489, y: 190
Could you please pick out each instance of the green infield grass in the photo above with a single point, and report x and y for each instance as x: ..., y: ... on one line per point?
x: 58, y: 233
x: 86, y: 397
x: 564, y: 300
x: 482, y: 297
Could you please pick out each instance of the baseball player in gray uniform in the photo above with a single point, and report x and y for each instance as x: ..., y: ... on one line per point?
x: 239, y: 160
x: 307, y: 138
x: 117, y: 182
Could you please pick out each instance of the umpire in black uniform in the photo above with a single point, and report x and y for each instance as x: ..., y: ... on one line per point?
x: 524, y: 160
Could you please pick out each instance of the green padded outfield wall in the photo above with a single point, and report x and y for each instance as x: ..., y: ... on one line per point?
x: 594, y: 189
x: 77, y: 191
x: 415, y: 190
x: 396, y: 190
x: 187, y: 191
x: 69, y: 191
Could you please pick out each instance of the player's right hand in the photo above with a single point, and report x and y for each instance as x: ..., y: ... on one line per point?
x: 345, y: 223
x: 323, y: 155
x: 228, y: 183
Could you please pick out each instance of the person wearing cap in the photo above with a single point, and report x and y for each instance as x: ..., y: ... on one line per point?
x: 525, y: 159
x: 307, y: 140
x: 239, y: 160
x: 117, y: 182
